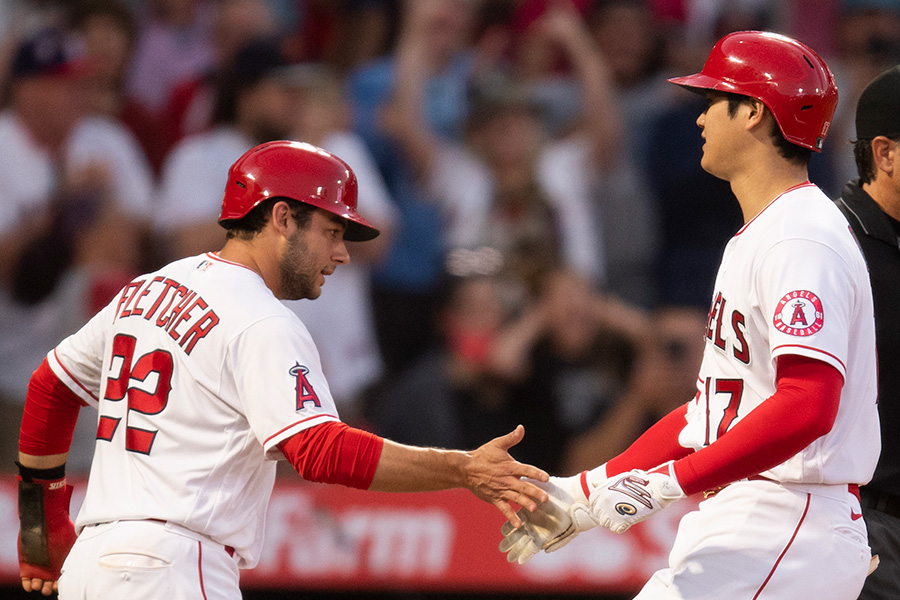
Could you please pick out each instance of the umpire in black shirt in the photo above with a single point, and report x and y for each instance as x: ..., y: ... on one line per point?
x: 872, y: 206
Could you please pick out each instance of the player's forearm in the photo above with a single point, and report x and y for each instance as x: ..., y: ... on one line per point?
x: 802, y: 409
x: 336, y: 453
x: 48, y: 420
x: 333, y: 452
x: 404, y: 468
x: 489, y: 472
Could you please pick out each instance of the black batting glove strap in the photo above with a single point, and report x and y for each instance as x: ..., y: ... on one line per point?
x: 28, y: 474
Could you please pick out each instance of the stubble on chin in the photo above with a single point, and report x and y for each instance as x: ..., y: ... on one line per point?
x: 295, y: 286
x: 295, y: 283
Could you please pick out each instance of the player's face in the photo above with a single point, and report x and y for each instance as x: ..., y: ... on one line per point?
x: 720, y: 134
x: 311, y: 255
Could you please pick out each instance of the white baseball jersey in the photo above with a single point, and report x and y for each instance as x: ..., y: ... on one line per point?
x: 198, y: 371
x: 792, y: 281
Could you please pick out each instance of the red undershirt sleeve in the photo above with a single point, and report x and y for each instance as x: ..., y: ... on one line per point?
x: 655, y: 446
x: 334, y: 452
x: 51, y: 411
x: 802, y: 409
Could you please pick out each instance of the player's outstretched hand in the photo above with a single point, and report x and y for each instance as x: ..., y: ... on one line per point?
x: 631, y: 497
x: 496, y: 477
x: 555, y: 523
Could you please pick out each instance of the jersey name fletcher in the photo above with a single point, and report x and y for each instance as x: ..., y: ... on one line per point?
x: 182, y: 312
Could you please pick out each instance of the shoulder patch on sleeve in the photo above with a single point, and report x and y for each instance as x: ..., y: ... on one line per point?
x: 799, y: 313
x: 305, y: 391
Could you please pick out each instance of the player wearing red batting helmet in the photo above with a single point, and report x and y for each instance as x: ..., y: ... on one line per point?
x: 784, y: 427
x: 203, y: 380
x: 782, y: 73
x: 299, y: 171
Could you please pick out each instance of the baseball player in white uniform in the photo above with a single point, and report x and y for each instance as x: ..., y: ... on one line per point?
x: 783, y: 427
x: 203, y: 379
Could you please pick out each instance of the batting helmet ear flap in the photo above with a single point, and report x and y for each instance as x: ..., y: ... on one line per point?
x: 298, y: 171
x: 786, y: 75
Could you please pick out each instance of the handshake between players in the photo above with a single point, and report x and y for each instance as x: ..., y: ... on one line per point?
x: 582, y: 502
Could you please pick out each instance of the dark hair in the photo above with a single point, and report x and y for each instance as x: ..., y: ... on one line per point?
x: 248, y: 226
x: 787, y: 150
x: 865, y: 159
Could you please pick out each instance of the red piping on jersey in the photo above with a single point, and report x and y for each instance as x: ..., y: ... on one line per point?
x: 200, y: 568
x: 783, y: 552
x: 814, y: 350
x: 215, y: 256
x: 277, y: 433
x: 790, y: 189
x: 585, y: 488
x: 72, y: 377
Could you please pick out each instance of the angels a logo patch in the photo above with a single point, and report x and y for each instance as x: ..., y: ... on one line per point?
x: 799, y: 313
x: 305, y: 391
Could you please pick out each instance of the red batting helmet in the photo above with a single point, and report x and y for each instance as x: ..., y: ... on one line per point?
x: 298, y: 171
x: 782, y: 73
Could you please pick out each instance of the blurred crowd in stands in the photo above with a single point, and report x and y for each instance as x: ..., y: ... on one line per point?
x: 548, y: 240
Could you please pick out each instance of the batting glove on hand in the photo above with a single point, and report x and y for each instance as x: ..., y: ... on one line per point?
x: 556, y: 522
x: 631, y: 497
x: 46, y: 533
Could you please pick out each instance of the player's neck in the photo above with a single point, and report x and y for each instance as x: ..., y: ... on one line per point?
x: 240, y: 253
x: 756, y: 188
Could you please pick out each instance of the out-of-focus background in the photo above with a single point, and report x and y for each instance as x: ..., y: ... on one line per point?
x: 548, y: 250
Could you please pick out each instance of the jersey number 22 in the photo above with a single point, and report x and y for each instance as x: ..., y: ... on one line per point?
x: 127, y: 381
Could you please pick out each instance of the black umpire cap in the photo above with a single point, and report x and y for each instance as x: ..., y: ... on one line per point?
x: 878, y: 110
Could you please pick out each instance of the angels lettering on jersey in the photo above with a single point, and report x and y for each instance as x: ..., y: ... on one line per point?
x: 721, y: 325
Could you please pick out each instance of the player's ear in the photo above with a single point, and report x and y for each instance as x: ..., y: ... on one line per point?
x: 281, y: 217
x: 884, y: 151
x: 756, y: 113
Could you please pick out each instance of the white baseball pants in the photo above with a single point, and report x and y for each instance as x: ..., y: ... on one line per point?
x: 759, y: 540
x: 147, y: 560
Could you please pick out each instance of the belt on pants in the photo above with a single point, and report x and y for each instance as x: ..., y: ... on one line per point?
x: 174, y: 526
x: 228, y: 549
x: 712, y: 492
x: 851, y: 487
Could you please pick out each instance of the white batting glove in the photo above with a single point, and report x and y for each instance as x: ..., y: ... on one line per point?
x: 631, y: 497
x: 556, y: 522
